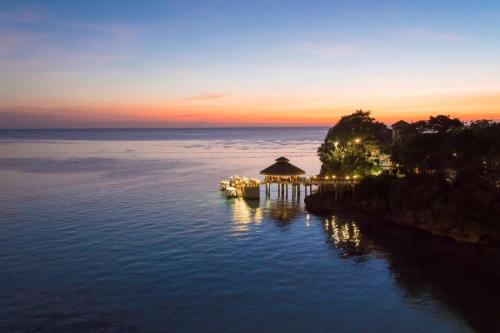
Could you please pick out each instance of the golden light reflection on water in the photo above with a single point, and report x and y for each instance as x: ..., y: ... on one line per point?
x: 344, y: 235
x: 245, y: 213
x: 284, y: 211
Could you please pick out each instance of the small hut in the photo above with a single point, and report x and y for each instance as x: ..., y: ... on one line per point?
x: 282, y: 170
x: 396, y: 129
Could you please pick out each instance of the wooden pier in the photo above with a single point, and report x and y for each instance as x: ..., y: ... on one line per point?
x: 288, y: 177
x: 294, y: 185
x: 289, y: 180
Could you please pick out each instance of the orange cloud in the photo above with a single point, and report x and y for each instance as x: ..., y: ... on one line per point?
x: 204, y: 97
x: 276, y: 110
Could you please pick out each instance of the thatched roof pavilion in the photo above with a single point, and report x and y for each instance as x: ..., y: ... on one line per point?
x: 399, y: 125
x: 282, y: 168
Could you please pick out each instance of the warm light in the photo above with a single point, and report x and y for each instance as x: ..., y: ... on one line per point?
x: 358, y: 140
x: 333, y: 176
x: 347, y: 177
x: 326, y: 177
x: 336, y: 143
x: 355, y: 176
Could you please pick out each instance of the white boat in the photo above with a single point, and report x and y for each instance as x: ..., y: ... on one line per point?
x: 231, y: 192
x: 224, y: 184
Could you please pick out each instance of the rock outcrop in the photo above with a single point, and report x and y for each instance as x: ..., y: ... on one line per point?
x: 465, y: 212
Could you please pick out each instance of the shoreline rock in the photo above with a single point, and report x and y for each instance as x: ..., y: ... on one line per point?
x: 423, y: 219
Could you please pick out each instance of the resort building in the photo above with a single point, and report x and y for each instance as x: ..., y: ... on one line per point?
x: 283, y: 174
x: 282, y: 171
x: 376, y: 155
x: 396, y: 129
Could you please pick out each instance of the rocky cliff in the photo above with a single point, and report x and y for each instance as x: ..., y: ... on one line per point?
x: 467, y: 211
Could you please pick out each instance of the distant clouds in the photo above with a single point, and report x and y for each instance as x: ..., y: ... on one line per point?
x: 205, y: 97
x: 19, y: 16
x: 339, y: 49
x: 428, y: 34
x: 37, y: 39
x: 177, y: 63
x: 345, y: 47
x: 275, y: 112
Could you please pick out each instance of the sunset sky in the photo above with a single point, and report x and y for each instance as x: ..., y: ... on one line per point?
x: 245, y: 63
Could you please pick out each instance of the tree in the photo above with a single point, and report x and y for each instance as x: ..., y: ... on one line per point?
x: 443, y: 124
x: 444, y: 145
x: 359, y: 125
x: 344, y: 150
x: 346, y: 159
x: 482, y: 123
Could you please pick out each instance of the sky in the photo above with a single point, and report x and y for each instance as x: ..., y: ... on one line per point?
x: 222, y: 63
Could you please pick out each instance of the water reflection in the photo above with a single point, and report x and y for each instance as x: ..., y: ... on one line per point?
x: 344, y: 235
x: 284, y: 211
x: 244, y: 213
x: 462, y: 278
x: 430, y: 271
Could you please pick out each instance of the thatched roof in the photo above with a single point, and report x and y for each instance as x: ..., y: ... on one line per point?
x: 399, y: 125
x: 282, y: 168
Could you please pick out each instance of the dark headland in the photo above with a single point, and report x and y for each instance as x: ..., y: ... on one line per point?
x: 439, y: 175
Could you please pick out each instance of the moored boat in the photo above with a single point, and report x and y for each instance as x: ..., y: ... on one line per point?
x: 224, y: 184
x: 231, y: 192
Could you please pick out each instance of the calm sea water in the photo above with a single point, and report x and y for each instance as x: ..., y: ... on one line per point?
x: 126, y: 230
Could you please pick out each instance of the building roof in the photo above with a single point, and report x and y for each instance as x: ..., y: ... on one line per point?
x: 282, y: 168
x: 400, y: 124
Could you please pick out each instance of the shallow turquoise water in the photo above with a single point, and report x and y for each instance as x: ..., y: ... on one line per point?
x: 125, y: 230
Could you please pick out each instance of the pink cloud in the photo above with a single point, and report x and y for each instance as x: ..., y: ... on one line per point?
x: 24, y: 16
x: 204, y: 97
x: 120, y: 31
x: 11, y: 40
x: 339, y: 49
x: 428, y: 34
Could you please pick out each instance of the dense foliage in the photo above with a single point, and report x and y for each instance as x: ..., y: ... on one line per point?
x: 344, y: 151
x: 358, y: 125
x: 445, y: 175
x: 447, y: 146
x: 439, y: 145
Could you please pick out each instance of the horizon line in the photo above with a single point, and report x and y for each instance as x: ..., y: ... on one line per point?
x: 151, y: 128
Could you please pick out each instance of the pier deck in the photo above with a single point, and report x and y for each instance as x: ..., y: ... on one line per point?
x: 337, y: 185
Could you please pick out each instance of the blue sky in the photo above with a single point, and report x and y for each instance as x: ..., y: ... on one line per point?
x: 148, y: 63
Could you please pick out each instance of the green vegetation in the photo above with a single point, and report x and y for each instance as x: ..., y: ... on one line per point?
x: 440, y: 145
x: 346, y: 152
x: 447, y: 147
x: 444, y: 178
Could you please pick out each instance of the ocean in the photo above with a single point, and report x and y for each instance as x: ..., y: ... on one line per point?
x: 125, y: 230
